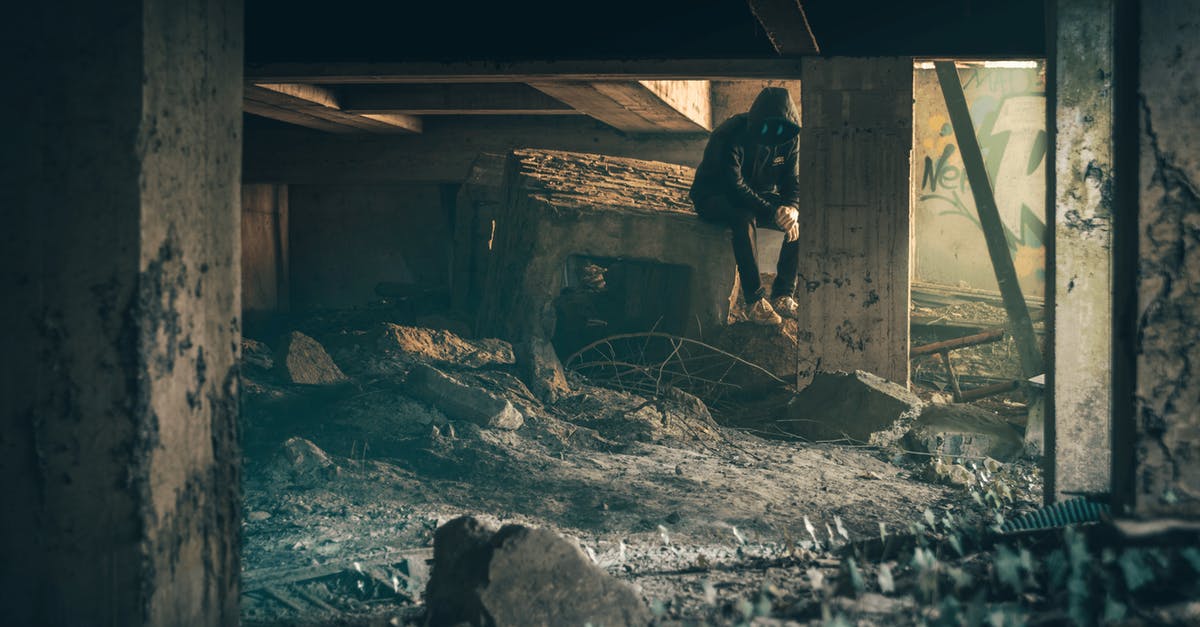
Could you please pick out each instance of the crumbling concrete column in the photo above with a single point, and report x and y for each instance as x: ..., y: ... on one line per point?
x: 854, y: 213
x: 1156, y: 468
x: 118, y: 447
x: 1080, y: 70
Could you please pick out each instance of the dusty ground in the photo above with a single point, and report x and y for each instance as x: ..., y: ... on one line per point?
x: 703, y: 518
x: 345, y: 484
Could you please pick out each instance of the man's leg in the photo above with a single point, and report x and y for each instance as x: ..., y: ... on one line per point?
x: 743, y: 236
x: 786, y: 269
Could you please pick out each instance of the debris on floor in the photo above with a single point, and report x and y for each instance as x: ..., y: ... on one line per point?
x: 960, y: 430
x: 307, y: 363
x: 645, y: 467
x: 519, y: 575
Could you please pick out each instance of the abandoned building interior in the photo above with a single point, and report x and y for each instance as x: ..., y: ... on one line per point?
x: 403, y: 314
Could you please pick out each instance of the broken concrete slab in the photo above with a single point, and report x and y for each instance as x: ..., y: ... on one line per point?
x: 460, y: 401
x: 859, y: 406
x: 522, y: 576
x: 960, y: 430
x: 307, y: 363
x: 542, y: 370
x: 439, y: 346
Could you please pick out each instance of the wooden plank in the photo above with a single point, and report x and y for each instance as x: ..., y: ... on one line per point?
x: 632, y: 106
x: 786, y: 25
x: 451, y: 99
x: 303, y: 104
x: 523, y: 71
x: 989, y: 220
x: 443, y: 153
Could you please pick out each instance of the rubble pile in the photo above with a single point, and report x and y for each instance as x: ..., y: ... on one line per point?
x: 350, y: 477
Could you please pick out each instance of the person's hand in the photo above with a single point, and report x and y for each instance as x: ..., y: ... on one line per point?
x: 792, y: 234
x: 787, y: 218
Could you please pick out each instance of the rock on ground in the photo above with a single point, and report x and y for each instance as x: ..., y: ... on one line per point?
x: 860, y: 406
x: 522, y: 576
x: 960, y: 430
x: 439, y: 346
x: 459, y: 401
x: 307, y: 363
x: 299, y: 460
x: 256, y: 354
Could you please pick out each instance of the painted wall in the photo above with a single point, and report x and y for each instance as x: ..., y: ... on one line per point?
x: 346, y: 240
x: 1008, y: 107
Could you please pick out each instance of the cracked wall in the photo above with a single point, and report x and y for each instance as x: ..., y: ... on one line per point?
x: 1167, y: 396
x: 1082, y: 67
x: 119, y: 451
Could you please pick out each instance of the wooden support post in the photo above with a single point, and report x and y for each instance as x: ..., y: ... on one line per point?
x: 989, y: 219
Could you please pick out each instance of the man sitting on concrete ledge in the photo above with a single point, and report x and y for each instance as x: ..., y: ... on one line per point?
x: 750, y: 177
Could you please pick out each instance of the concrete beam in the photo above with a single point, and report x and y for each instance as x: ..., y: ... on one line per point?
x: 638, y: 106
x: 451, y: 99
x: 118, y: 451
x: 856, y: 136
x: 786, y: 25
x: 1160, y: 476
x: 444, y: 152
x: 523, y: 71
x: 318, y: 107
x: 1078, y: 425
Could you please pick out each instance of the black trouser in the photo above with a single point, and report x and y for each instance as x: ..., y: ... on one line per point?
x: 742, y: 220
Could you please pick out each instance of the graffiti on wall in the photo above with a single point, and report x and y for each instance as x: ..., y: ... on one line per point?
x: 1007, y: 106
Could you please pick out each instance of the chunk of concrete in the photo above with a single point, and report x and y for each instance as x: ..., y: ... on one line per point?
x: 960, y: 430
x: 299, y: 460
x: 542, y: 370
x: 522, y: 576
x: 459, y: 401
x: 859, y: 406
x: 439, y: 346
x: 307, y: 363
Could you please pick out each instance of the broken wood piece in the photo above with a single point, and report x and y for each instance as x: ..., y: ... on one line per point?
x: 991, y: 335
x: 988, y: 390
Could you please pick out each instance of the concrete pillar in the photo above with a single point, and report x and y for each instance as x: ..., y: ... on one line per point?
x: 855, y: 219
x: 1080, y: 71
x: 1156, y: 468
x: 118, y: 448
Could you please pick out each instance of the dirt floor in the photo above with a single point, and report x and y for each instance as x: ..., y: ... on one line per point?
x: 345, y: 484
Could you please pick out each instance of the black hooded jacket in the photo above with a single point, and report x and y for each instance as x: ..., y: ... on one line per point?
x: 744, y: 164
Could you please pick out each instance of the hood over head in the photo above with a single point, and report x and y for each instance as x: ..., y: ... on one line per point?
x: 773, y: 118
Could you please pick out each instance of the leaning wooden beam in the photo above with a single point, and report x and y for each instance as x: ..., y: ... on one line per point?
x: 638, y: 106
x: 786, y: 25
x: 451, y: 99
x: 317, y: 107
x: 989, y: 219
x: 523, y: 71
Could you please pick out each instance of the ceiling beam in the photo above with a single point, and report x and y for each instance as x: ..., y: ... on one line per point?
x: 317, y: 107
x: 639, y: 106
x: 523, y: 71
x: 786, y: 25
x: 451, y: 99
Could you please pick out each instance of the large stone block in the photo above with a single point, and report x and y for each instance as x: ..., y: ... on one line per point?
x: 462, y: 402
x: 964, y: 431
x: 522, y: 576
x: 859, y: 406
x: 307, y: 363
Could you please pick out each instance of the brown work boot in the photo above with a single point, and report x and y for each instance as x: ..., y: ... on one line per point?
x: 762, y: 313
x: 786, y: 306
